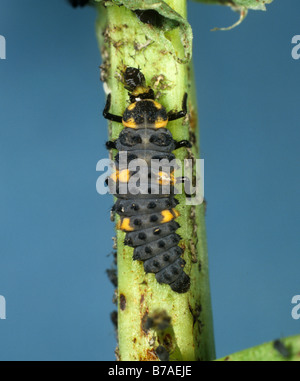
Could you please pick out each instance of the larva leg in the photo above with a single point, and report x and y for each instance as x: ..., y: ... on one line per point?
x: 180, y: 114
x: 109, y: 116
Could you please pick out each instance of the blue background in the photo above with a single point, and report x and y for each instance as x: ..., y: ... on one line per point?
x: 55, y: 232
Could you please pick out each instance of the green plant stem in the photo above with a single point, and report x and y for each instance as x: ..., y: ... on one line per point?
x: 248, y: 4
x: 164, y: 58
x: 267, y: 352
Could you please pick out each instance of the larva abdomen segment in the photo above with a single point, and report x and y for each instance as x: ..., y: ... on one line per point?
x: 141, y: 237
x: 128, y: 208
x: 151, y: 249
x: 160, y: 261
x: 146, y: 155
x: 145, y: 221
x: 181, y: 284
x: 155, y: 140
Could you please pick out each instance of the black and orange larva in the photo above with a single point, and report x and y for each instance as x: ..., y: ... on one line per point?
x: 148, y: 219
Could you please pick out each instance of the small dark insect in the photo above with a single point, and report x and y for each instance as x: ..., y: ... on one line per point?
x: 114, y: 318
x: 162, y: 353
x: 112, y: 276
x: 78, y: 3
x: 122, y: 302
x: 159, y: 320
x: 281, y: 348
x: 150, y: 16
x: 133, y: 77
x: 134, y: 80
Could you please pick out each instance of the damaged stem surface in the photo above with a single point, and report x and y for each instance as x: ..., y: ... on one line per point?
x: 159, y: 43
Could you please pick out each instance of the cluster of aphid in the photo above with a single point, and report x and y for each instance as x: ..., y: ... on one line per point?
x: 147, y: 218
